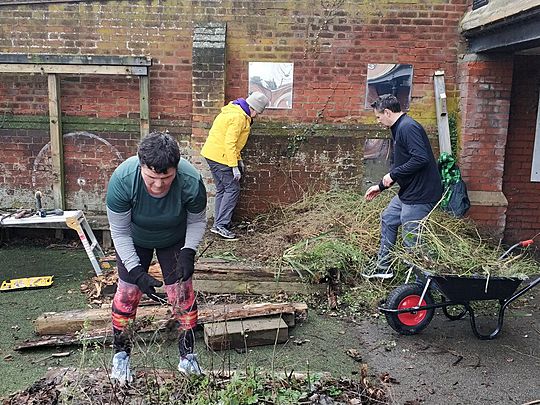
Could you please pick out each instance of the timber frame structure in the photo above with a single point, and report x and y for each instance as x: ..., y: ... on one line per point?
x: 54, y: 65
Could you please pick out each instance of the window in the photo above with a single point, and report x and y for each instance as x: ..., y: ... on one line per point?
x: 535, y: 171
x: 479, y: 3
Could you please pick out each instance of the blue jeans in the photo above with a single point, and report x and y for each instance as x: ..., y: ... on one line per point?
x: 395, y: 215
x: 227, y: 193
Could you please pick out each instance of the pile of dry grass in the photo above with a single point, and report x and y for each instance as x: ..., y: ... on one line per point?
x: 341, y: 231
x: 342, y: 215
x: 449, y: 245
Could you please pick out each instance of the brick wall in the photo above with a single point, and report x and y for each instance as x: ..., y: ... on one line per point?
x: 485, y: 86
x: 89, y: 160
x: 281, y: 170
x: 330, y: 43
x: 522, y: 194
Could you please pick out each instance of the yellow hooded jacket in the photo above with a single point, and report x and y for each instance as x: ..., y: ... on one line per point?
x: 228, y: 136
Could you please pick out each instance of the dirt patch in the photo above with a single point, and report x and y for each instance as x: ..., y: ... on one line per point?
x: 89, y: 387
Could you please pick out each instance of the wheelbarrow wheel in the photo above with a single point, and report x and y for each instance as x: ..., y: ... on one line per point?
x: 453, y: 312
x: 407, y: 296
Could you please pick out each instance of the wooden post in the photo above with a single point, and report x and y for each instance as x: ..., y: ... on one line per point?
x: 57, y: 147
x: 442, y: 112
x: 144, y: 85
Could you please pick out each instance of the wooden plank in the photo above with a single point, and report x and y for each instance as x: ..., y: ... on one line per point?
x: 74, y: 69
x: 18, y: 3
x: 35, y: 221
x: 61, y: 323
x: 442, y: 112
x: 218, y: 269
x: 254, y: 287
x: 57, y: 144
x: 96, y: 336
x: 245, y: 333
x: 65, y: 59
x: 235, y: 278
x: 144, y: 95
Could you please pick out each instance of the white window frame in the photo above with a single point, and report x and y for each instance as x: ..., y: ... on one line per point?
x: 535, y: 169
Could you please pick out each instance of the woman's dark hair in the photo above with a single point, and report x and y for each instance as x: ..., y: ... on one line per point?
x: 386, y: 102
x: 159, y: 151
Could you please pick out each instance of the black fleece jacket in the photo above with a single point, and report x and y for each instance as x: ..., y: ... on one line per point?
x: 414, y: 167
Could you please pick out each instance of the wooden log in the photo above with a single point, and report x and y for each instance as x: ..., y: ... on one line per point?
x: 222, y: 277
x: 255, y: 287
x: 61, y: 323
x: 245, y: 333
x: 222, y: 269
x: 103, y: 336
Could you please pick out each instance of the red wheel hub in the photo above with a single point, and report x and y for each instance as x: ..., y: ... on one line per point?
x: 411, y: 318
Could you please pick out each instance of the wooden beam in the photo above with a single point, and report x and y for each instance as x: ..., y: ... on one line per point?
x: 57, y: 147
x: 442, y: 112
x: 220, y: 276
x: 144, y: 95
x: 18, y: 3
x: 60, y: 323
x: 245, y: 333
x: 73, y: 69
x: 66, y: 59
x: 255, y: 287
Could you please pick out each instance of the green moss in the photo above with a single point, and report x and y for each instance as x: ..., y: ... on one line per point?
x: 70, y: 124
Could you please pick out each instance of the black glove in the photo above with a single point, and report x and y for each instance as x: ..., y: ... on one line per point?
x: 186, y: 264
x: 146, y: 283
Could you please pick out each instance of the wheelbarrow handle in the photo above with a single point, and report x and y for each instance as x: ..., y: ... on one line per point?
x: 523, y: 244
x: 526, y: 243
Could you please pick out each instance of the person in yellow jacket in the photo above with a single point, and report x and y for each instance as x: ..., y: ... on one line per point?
x: 226, y: 139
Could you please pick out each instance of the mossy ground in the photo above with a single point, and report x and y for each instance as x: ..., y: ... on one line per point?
x: 317, y: 345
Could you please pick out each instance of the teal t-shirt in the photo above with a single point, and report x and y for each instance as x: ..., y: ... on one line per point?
x: 156, y: 222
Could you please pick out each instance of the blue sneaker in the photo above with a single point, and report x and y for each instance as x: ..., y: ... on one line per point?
x: 223, y: 232
x: 382, y: 273
x: 120, y: 370
x: 189, y: 365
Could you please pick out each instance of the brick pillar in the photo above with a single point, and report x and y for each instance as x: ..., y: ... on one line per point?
x: 485, y: 84
x: 208, y: 89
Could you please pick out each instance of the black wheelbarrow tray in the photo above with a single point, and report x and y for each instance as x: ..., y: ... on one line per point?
x: 410, y: 307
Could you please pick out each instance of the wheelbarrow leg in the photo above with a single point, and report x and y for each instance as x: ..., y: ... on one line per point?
x: 503, y: 305
x: 493, y: 334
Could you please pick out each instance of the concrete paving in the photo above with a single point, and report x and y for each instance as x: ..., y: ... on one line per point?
x: 446, y: 364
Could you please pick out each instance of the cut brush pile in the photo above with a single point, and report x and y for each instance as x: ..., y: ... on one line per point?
x: 323, y: 233
x: 449, y: 245
x: 340, y: 231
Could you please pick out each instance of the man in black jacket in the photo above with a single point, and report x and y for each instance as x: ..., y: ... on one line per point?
x: 415, y: 170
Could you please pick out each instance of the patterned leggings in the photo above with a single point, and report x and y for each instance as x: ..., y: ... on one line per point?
x: 180, y: 296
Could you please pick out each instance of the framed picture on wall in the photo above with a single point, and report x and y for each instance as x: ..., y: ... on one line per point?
x: 389, y: 78
x: 275, y: 80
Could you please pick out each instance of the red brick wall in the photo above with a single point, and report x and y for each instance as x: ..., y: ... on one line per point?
x: 485, y: 86
x: 89, y: 160
x: 280, y: 170
x: 330, y: 43
x: 485, y: 104
x: 523, y: 195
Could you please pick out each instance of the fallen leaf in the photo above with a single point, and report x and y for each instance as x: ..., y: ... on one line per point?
x: 355, y: 354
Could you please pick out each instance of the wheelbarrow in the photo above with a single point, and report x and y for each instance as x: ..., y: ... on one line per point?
x: 410, y: 307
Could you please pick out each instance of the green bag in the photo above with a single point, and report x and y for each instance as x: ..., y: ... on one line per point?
x: 455, y: 198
